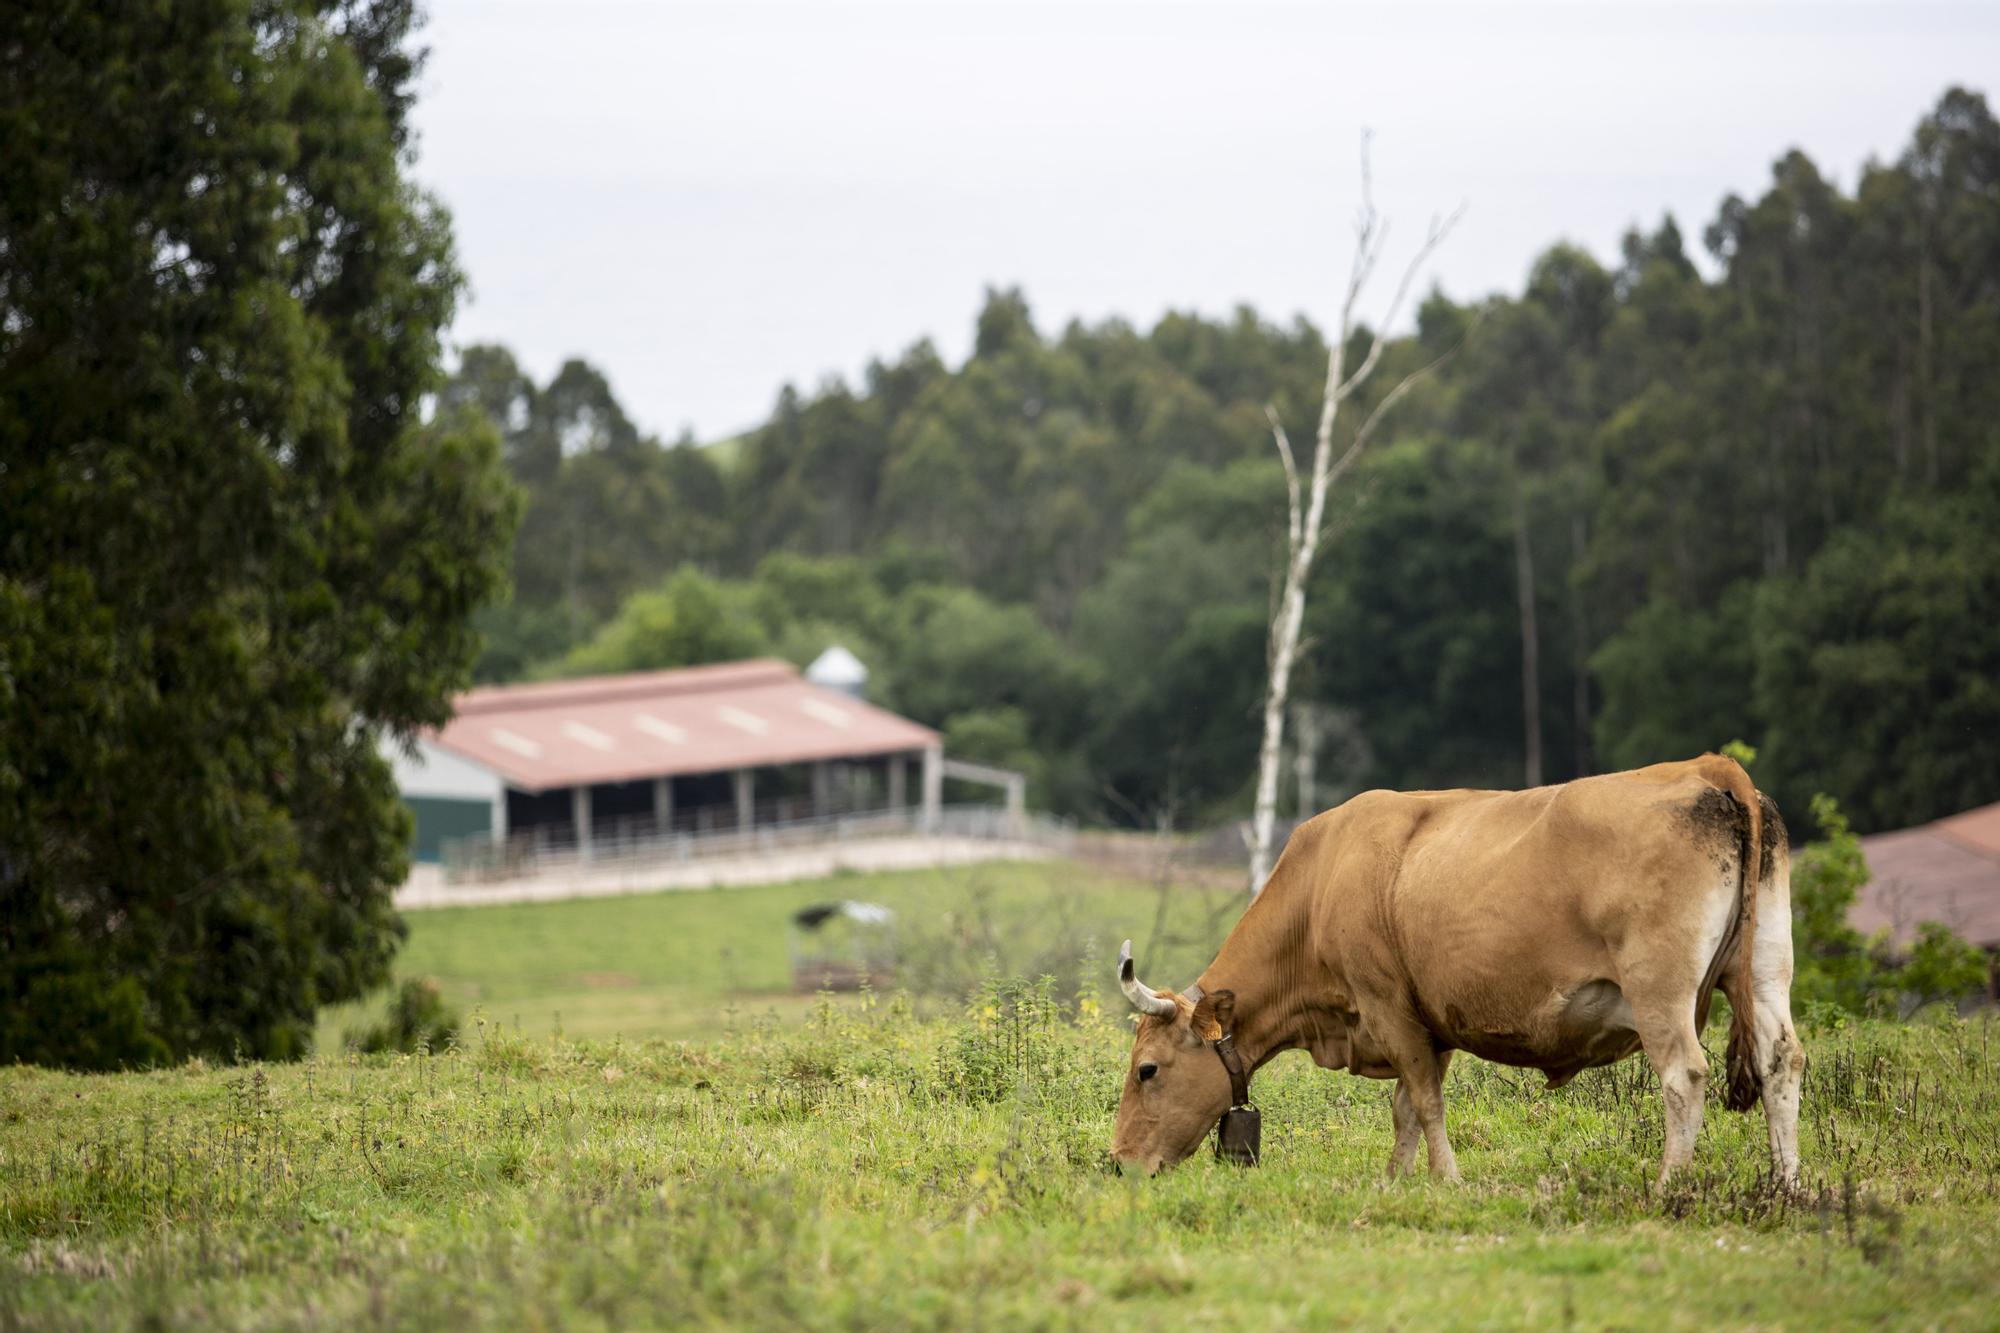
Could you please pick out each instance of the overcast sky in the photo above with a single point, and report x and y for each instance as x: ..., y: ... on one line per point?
x: 709, y: 202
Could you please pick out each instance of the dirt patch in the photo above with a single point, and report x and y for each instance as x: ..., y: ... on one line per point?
x: 1718, y: 826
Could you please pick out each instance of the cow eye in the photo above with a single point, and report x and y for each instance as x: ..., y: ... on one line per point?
x: 1147, y: 1070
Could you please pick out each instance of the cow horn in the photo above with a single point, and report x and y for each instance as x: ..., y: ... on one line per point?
x: 1143, y: 998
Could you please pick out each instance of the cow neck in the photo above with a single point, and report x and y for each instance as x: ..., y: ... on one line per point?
x: 1262, y: 961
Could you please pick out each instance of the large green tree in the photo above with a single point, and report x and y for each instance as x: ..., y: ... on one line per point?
x: 233, y: 557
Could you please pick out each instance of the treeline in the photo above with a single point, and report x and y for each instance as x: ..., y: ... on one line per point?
x: 1639, y: 513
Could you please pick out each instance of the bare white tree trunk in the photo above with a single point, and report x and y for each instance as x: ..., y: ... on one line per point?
x: 1305, y: 514
x: 1308, y: 729
x: 1531, y: 643
x: 1579, y: 649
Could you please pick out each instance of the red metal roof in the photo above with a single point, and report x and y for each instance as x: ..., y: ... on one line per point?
x: 707, y: 719
x: 1948, y: 871
x: 1977, y: 829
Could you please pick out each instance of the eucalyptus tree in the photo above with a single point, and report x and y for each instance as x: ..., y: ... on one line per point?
x: 234, y: 557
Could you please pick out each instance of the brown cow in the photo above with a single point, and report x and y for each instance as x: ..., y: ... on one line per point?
x: 1555, y: 929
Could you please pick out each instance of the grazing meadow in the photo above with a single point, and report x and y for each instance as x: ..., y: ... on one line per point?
x: 692, y: 964
x: 899, y: 1159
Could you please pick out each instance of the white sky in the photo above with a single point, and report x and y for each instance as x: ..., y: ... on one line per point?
x: 710, y: 201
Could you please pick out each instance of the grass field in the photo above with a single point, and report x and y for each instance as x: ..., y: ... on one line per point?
x: 863, y: 1166
x: 690, y: 964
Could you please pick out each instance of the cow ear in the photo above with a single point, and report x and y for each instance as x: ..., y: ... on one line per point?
x: 1215, y: 1015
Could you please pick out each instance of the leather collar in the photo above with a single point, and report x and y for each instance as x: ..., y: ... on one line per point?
x: 1239, y: 1082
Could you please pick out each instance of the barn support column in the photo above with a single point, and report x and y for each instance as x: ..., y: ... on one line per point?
x: 899, y: 795
x: 500, y: 817
x: 822, y: 789
x: 663, y: 806
x: 746, y: 799
x: 579, y: 813
x: 933, y: 788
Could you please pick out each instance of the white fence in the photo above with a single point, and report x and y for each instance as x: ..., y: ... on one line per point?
x: 638, y: 842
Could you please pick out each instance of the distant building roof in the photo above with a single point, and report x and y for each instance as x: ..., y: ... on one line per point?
x: 706, y: 719
x: 1948, y: 871
x: 838, y: 668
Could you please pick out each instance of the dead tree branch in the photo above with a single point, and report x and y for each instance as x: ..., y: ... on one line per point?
x: 1304, y: 531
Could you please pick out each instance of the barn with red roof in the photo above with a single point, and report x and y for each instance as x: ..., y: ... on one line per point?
x: 1947, y: 871
x: 730, y: 747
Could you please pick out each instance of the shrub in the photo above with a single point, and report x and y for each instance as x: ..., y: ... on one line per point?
x: 1941, y: 967
x: 1836, y: 967
x: 99, y: 1018
x: 1833, y: 966
x: 1009, y: 1043
x: 418, y: 1018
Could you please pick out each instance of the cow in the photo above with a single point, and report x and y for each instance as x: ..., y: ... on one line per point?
x: 1557, y: 929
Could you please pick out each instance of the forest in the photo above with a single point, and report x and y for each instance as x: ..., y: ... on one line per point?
x: 1737, y: 487
x: 1640, y: 511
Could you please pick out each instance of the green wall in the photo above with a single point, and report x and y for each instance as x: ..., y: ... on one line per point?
x: 441, y: 817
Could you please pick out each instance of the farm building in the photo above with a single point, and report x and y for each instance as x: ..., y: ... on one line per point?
x: 734, y: 747
x: 1947, y: 871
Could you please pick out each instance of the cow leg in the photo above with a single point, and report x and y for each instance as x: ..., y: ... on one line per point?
x: 1420, y: 1070
x: 1780, y: 1059
x: 1782, y: 1063
x: 1661, y: 971
x: 1674, y: 1047
x: 1403, y: 1157
x: 1409, y: 1132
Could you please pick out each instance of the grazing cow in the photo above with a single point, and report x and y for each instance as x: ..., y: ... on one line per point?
x: 1554, y: 929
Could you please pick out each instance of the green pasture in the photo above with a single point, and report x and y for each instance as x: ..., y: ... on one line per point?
x: 693, y: 964
x: 640, y: 1125
x: 866, y: 1168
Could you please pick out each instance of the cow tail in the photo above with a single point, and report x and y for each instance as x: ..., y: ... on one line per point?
x: 1739, y: 977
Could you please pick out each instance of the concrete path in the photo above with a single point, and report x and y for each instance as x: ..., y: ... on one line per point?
x: 426, y: 886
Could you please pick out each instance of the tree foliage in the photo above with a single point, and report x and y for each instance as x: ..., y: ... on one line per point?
x: 687, y: 621
x: 232, y: 557
x: 1877, y: 664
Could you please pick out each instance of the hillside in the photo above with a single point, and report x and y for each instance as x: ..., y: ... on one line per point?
x: 1641, y: 512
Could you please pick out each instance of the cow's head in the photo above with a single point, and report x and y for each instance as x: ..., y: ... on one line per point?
x: 1175, y: 1086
